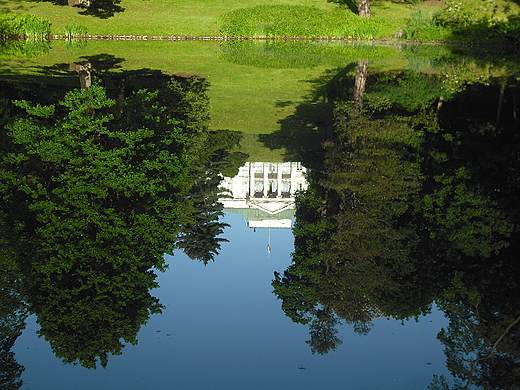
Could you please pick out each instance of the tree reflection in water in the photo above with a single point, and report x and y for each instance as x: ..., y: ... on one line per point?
x: 95, y: 191
x: 416, y: 203
x: 412, y: 200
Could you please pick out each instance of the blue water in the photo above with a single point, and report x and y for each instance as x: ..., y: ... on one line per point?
x: 224, y: 329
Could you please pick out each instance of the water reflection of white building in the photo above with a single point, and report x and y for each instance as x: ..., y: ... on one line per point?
x: 264, y: 193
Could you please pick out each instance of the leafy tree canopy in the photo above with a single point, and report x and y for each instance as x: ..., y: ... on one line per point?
x: 94, y: 194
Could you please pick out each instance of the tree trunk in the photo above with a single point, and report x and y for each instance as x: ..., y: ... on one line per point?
x: 440, y: 103
x: 84, y: 3
x: 364, y: 9
x: 359, y: 85
x: 85, y: 73
x: 500, y: 104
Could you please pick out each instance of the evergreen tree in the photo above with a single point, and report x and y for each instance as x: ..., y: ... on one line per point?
x: 92, y: 203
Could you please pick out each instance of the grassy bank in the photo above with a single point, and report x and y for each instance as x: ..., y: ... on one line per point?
x: 465, y: 20
x: 142, y: 17
x: 255, y: 86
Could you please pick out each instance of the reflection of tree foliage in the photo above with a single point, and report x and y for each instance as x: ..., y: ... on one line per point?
x: 405, y: 92
x: 349, y: 235
x: 94, y: 196
x: 12, y: 309
x: 12, y: 321
x: 199, y: 238
x: 479, y: 218
x: 101, y: 205
x: 415, y: 203
x: 323, y: 332
x: 481, y: 341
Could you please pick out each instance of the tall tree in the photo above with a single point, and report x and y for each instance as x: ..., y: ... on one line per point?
x: 98, y: 202
x: 199, y: 238
x: 356, y: 242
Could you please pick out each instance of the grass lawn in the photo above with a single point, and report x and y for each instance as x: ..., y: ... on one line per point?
x: 150, y: 17
x: 250, y: 97
x: 308, y: 18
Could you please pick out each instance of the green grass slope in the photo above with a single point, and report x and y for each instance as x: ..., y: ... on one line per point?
x: 429, y: 20
x: 149, y: 17
x: 200, y: 17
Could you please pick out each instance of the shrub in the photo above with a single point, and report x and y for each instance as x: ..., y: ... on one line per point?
x: 6, y: 24
x: 424, y: 26
x: 267, y: 21
x: 74, y: 30
x: 35, y: 26
x: 457, y: 14
x: 25, y: 25
x: 477, y: 22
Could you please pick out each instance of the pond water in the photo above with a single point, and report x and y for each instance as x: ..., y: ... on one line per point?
x: 367, y: 240
x: 223, y: 329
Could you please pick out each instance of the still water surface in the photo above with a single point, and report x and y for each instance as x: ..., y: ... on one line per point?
x: 223, y: 329
x: 438, y: 220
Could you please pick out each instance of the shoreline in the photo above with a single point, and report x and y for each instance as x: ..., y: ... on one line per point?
x: 116, y: 37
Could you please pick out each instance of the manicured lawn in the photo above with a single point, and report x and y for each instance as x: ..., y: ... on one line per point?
x: 244, y: 97
x: 150, y: 17
x: 206, y: 17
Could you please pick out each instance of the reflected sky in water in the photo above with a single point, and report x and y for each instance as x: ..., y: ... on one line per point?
x: 223, y: 329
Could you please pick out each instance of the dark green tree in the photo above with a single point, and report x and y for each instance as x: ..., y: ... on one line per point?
x: 475, y: 221
x: 359, y: 241
x: 199, y: 238
x: 98, y: 202
x: 13, y: 311
x: 323, y: 332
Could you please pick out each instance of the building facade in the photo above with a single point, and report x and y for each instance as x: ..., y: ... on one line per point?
x: 264, y: 193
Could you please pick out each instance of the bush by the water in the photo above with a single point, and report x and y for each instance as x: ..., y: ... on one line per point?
x: 470, y: 21
x: 424, y: 26
x: 74, y: 30
x: 300, y: 21
x: 25, y: 25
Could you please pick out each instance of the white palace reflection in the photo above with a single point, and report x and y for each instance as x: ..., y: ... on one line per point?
x: 264, y: 193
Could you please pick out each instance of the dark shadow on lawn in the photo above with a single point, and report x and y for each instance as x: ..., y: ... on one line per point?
x: 334, y: 84
x: 351, y: 4
x: 101, y: 63
x: 102, y: 9
x: 107, y: 68
x: 303, y: 133
x: 502, y: 34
